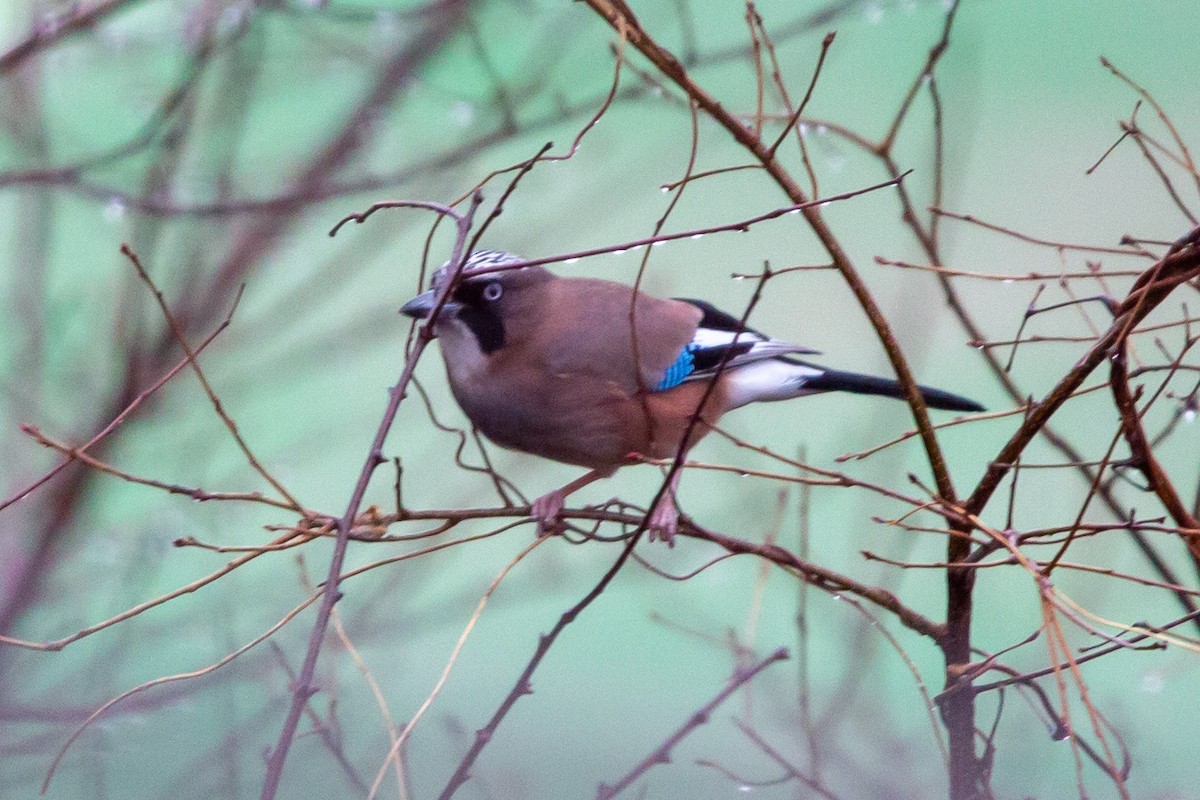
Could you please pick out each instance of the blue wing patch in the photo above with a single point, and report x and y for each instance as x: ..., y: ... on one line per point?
x: 676, y: 373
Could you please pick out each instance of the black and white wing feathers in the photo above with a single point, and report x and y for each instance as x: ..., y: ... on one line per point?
x: 759, y: 368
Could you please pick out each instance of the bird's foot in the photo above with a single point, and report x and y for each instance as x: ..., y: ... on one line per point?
x: 546, y: 510
x: 663, y: 522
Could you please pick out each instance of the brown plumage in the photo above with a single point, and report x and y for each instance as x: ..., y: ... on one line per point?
x: 573, y: 387
x: 576, y: 370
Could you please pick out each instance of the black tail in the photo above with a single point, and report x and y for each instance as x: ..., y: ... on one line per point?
x: 832, y: 380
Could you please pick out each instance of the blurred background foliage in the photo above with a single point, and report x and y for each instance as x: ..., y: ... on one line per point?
x: 222, y: 139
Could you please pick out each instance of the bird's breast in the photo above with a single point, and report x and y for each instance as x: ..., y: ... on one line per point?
x: 575, y: 417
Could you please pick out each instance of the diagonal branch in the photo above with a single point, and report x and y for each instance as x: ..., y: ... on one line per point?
x: 1148, y: 292
x: 618, y: 14
x: 1143, y: 454
x: 304, y: 687
x: 662, y: 754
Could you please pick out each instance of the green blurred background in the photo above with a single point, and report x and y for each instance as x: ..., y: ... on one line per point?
x: 264, y: 145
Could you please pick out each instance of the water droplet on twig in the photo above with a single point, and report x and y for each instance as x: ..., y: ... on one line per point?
x: 114, y: 210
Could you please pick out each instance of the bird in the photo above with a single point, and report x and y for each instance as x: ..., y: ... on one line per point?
x: 598, y: 374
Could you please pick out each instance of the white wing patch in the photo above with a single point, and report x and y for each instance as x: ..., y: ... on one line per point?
x: 713, y: 342
x: 769, y: 379
x: 711, y: 337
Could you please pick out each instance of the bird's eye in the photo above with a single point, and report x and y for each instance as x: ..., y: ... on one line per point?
x: 493, y: 291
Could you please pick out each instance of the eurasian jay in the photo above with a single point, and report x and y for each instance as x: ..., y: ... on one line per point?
x: 594, y: 373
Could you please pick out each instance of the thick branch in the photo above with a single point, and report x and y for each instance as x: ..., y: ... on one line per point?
x: 1142, y: 454
x: 1148, y: 292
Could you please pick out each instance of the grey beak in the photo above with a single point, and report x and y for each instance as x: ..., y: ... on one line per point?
x: 420, y: 306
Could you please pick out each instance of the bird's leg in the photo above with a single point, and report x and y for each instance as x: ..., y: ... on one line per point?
x: 545, y: 509
x: 663, y: 521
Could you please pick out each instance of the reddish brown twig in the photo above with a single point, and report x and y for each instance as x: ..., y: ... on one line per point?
x: 304, y: 687
x: 662, y: 754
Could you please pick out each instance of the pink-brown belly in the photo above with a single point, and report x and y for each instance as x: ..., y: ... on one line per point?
x: 590, y: 423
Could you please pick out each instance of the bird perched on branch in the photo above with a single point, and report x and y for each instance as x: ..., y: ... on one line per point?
x: 593, y: 373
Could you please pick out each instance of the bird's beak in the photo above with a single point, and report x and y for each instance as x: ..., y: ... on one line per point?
x: 420, y: 306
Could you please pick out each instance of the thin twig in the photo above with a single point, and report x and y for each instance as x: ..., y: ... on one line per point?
x: 662, y: 754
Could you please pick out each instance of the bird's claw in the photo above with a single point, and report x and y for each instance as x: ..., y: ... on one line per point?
x: 663, y: 522
x: 546, y: 510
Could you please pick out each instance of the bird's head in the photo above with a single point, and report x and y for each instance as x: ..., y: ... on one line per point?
x: 483, y: 306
